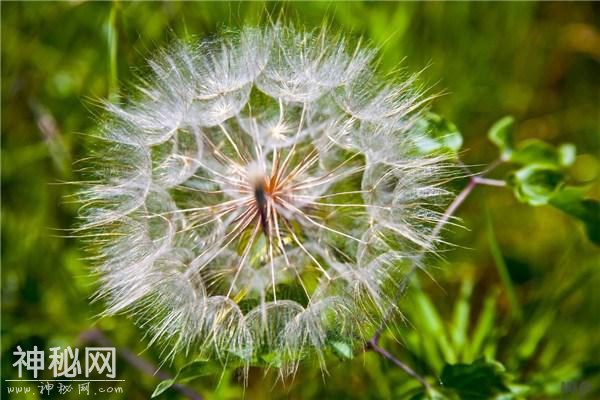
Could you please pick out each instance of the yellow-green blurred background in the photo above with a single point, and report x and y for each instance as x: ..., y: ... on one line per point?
x: 536, y: 61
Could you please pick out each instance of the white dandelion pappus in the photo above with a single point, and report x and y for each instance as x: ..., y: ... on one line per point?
x: 262, y: 197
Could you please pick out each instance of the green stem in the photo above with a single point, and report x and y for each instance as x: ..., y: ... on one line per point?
x: 112, y: 37
x: 475, y: 180
x: 502, y: 268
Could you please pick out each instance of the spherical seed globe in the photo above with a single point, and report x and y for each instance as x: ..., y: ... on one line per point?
x: 261, y: 197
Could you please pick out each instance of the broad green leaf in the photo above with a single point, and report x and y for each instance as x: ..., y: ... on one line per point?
x: 501, y: 134
x: 439, y: 135
x: 536, y: 184
x: 342, y: 349
x: 540, y: 185
x: 534, y: 151
x: 479, y: 380
x: 570, y: 201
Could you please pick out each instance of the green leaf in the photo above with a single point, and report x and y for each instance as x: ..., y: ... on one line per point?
x: 272, y: 359
x: 188, y: 372
x: 534, y: 151
x: 501, y: 134
x: 543, y: 184
x: 162, y: 386
x: 566, y: 154
x: 479, y: 380
x: 198, y: 368
x: 530, y: 151
x: 342, y: 350
x: 536, y: 184
x: 570, y: 201
x: 440, y: 135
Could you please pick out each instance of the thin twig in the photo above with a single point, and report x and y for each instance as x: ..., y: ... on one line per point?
x: 98, y: 337
x: 474, y: 180
x: 462, y: 196
x: 372, y: 345
x: 489, y: 182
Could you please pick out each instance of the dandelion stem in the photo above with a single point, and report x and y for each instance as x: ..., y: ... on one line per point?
x: 96, y: 336
x: 477, y: 179
x: 489, y: 182
x: 372, y: 345
x: 462, y: 196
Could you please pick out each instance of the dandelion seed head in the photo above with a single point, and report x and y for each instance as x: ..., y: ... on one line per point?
x: 261, y: 196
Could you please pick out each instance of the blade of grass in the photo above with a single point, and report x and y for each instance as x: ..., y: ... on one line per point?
x: 111, y: 38
x: 460, y: 318
x: 483, y: 328
x: 433, y: 324
x: 537, y: 327
x: 502, y: 269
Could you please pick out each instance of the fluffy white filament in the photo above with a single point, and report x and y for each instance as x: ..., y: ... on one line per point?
x: 261, y: 197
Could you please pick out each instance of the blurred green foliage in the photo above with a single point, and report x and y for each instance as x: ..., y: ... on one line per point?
x: 514, y: 306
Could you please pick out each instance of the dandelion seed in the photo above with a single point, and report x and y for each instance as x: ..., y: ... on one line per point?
x: 262, y: 195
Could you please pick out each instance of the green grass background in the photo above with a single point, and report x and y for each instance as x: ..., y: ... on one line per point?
x: 536, y: 61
